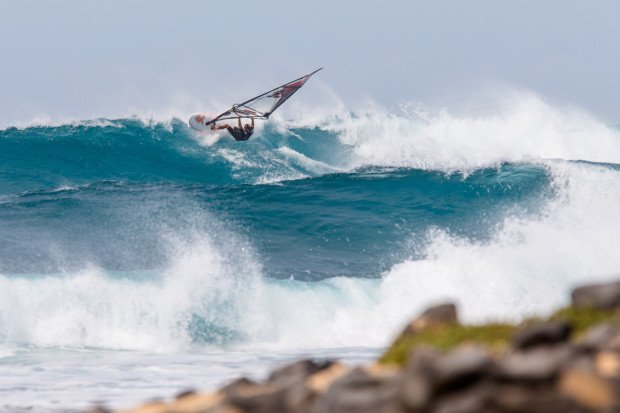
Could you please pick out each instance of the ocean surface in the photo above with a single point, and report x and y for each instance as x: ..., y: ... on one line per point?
x: 139, y: 259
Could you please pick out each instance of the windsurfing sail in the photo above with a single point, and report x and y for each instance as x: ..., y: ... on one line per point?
x: 262, y: 106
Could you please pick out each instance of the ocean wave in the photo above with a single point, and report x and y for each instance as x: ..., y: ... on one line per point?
x: 323, y: 221
x: 524, y: 128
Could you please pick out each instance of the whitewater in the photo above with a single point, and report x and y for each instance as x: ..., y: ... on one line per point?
x: 139, y: 259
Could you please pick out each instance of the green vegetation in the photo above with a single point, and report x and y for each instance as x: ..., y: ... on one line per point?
x: 583, y: 319
x: 496, y: 336
x: 445, y: 337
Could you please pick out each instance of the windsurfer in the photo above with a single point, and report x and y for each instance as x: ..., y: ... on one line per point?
x: 240, y: 133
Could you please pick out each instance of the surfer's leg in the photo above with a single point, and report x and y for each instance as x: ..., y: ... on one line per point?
x: 230, y: 130
x: 224, y: 126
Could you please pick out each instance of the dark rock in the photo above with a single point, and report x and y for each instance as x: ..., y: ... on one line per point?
x: 551, y: 332
x: 441, y: 314
x: 429, y: 375
x: 237, y: 384
x: 437, y: 315
x: 533, y: 398
x: 539, y: 364
x: 298, y: 398
x: 359, y: 392
x: 185, y: 393
x: 581, y: 361
x: 297, y: 371
x: 320, y: 381
x: 600, y: 296
x: 461, y: 368
x: 418, y: 382
x: 199, y: 403
x: 601, y: 337
x: 284, y: 390
x: 254, y: 397
x: 477, y: 399
x: 294, y: 394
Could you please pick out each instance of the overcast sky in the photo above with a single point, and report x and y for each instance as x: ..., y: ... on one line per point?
x: 83, y: 59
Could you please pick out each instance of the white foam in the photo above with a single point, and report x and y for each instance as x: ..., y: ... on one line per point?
x: 530, y: 265
x: 95, y: 309
x: 49, y: 121
x: 238, y: 159
x: 521, y: 128
x: 313, y: 166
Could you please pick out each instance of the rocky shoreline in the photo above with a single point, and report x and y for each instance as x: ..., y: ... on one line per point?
x: 568, y: 362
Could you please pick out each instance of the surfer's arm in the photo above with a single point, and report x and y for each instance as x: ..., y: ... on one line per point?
x: 239, y: 122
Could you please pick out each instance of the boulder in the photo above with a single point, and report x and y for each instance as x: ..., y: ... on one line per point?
x: 587, y: 389
x: 417, y: 386
x: 298, y: 371
x: 197, y: 403
x: 298, y: 398
x: 441, y: 313
x: 296, y: 394
x: 476, y: 399
x: 600, y: 337
x: 286, y: 390
x: 429, y: 375
x: 600, y: 296
x: 533, y: 398
x: 436, y: 315
x: 185, y: 393
x: 552, y: 332
x: 253, y: 397
x: 361, y: 391
x: 320, y: 381
x: 461, y: 368
x: 538, y: 364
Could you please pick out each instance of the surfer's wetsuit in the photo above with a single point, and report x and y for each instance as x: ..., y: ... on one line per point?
x: 239, y: 134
